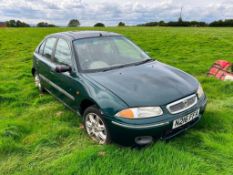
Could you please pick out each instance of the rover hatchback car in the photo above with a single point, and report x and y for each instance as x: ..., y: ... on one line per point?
x: 120, y: 92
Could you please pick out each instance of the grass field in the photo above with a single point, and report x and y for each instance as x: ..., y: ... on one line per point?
x: 38, y: 135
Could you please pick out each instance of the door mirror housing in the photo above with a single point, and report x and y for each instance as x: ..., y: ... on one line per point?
x: 62, y: 68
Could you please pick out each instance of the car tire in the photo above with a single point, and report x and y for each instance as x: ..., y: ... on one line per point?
x: 95, y: 125
x: 38, y: 83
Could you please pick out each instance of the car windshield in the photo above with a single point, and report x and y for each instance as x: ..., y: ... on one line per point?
x: 108, y: 52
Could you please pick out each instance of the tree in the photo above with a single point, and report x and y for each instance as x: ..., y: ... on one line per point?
x: 11, y: 23
x: 162, y: 23
x: 221, y: 23
x: 42, y: 24
x: 99, y: 25
x: 176, y: 23
x: 21, y: 24
x: 18, y: 23
x: 74, y: 23
x: 121, y: 24
x: 45, y: 24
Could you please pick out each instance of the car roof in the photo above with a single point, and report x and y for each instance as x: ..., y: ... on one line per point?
x: 73, y: 35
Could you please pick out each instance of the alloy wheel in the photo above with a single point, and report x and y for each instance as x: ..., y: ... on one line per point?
x: 37, y: 82
x: 96, y: 128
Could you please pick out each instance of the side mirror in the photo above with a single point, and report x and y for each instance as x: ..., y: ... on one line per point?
x: 62, y: 68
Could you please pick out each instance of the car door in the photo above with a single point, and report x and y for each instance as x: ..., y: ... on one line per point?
x: 44, y: 63
x: 68, y: 82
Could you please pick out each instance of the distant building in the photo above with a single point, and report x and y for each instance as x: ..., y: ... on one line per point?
x: 2, y: 24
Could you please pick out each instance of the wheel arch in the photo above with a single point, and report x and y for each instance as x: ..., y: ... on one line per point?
x: 85, y: 103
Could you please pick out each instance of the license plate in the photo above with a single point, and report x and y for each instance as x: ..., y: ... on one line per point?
x: 183, y: 120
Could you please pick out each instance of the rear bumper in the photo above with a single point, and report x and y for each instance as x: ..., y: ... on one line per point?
x: 162, y: 129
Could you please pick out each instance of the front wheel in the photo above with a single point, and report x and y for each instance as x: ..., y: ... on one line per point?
x: 95, y: 125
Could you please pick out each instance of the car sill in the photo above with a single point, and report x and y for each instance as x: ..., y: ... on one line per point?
x: 66, y: 105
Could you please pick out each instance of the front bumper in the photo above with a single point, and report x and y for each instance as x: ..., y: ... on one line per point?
x: 157, y: 127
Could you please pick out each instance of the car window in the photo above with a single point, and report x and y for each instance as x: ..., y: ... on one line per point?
x: 41, y: 49
x: 48, y: 49
x: 63, y: 53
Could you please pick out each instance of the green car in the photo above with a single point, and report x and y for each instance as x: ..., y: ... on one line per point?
x: 120, y: 92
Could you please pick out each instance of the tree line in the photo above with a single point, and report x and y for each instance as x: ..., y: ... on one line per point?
x: 72, y: 23
x: 18, y: 23
x: 180, y: 22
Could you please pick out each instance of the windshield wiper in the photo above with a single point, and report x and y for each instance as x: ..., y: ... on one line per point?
x: 114, y: 67
x: 144, y: 61
x: 126, y: 65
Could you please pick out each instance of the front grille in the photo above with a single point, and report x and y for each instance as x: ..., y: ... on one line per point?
x: 182, y: 104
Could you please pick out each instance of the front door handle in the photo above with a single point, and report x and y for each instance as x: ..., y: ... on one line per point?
x: 52, y: 71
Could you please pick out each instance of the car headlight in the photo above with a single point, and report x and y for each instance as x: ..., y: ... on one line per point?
x: 200, y: 91
x: 141, y: 112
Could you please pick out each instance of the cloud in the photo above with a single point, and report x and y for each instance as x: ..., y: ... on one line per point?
x: 111, y: 12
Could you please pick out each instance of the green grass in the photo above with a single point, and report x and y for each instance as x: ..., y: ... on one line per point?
x: 38, y: 135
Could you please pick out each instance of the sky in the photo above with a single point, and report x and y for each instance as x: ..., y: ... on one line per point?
x: 110, y: 12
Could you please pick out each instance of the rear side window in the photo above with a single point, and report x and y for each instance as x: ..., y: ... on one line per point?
x: 41, y: 49
x: 63, y: 53
x: 48, y: 49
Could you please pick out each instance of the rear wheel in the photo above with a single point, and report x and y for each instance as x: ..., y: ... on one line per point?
x: 95, y: 125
